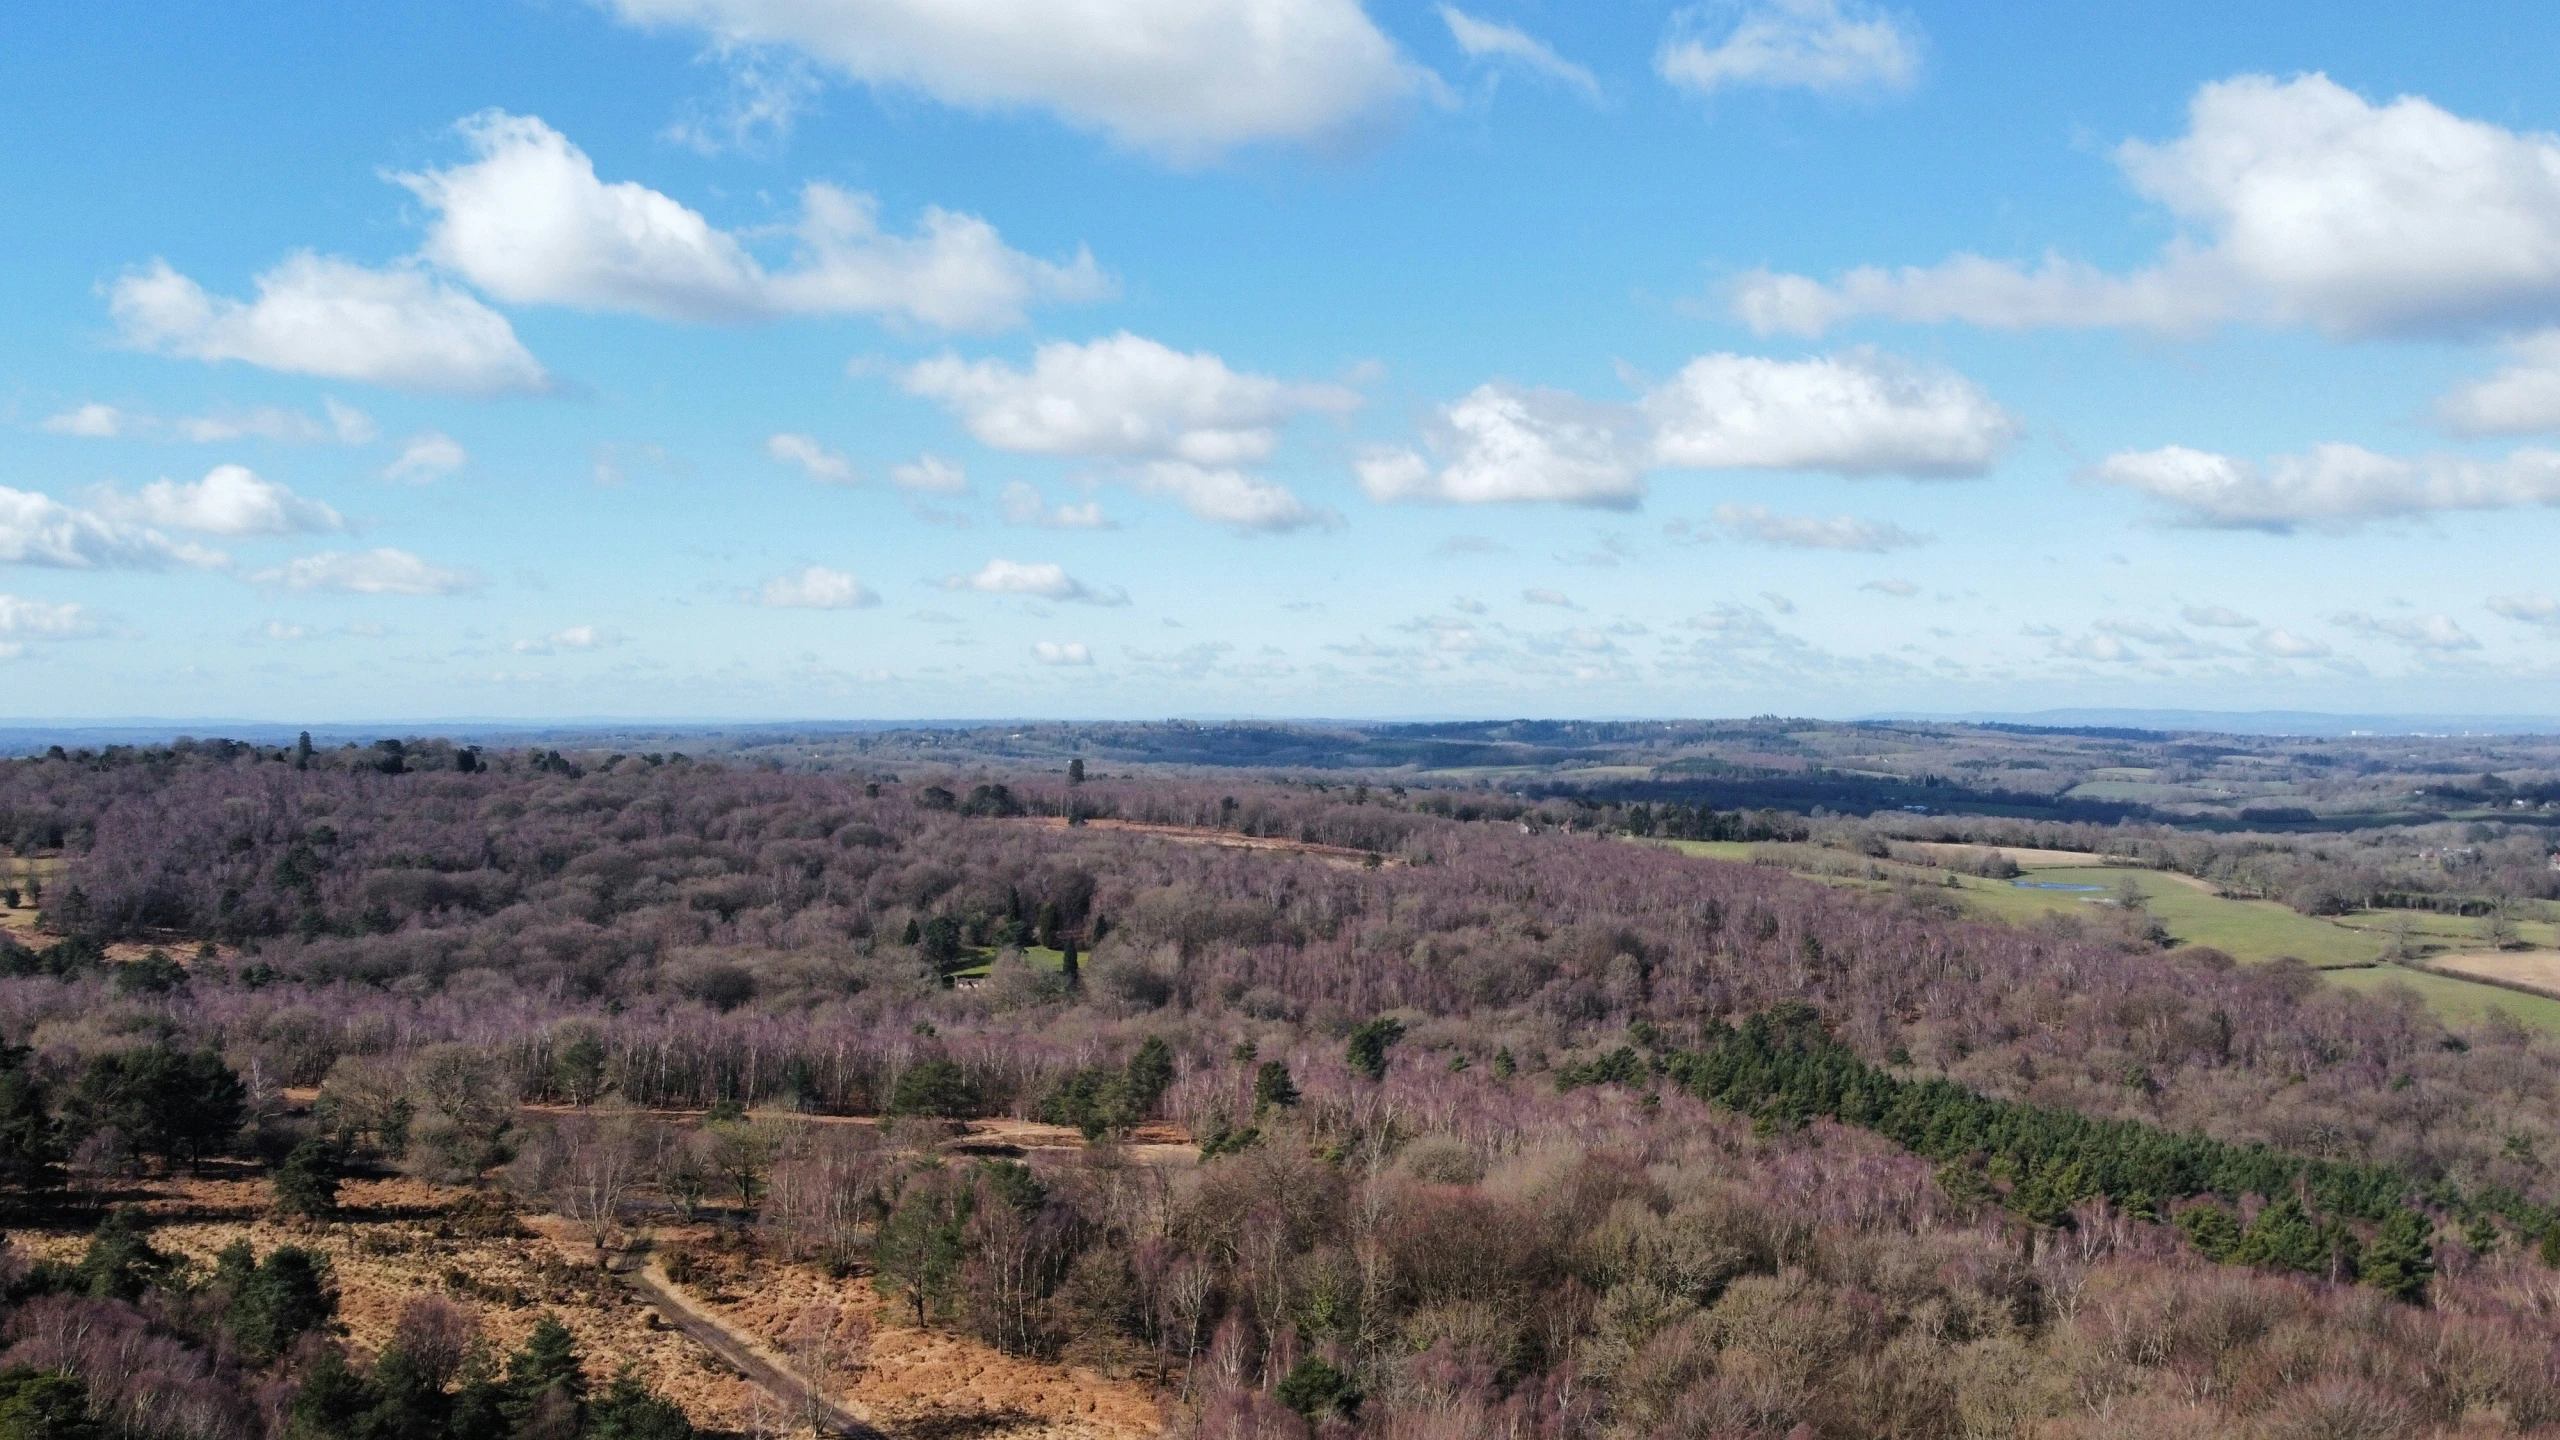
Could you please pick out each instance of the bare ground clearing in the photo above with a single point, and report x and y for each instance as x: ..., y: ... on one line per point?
x: 1342, y: 855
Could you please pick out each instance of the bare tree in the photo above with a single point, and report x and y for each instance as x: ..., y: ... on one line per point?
x: 828, y: 1347
x: 589, y: 1164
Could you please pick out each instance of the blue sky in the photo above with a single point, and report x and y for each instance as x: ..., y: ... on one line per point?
x: 702, y: 359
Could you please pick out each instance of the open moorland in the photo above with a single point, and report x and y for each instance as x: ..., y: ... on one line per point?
x: 428, y: 1090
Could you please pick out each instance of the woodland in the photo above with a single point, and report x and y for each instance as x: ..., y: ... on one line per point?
x: 1407, y: 1110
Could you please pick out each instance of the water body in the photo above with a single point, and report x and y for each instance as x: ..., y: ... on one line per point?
x: 2051, y: 885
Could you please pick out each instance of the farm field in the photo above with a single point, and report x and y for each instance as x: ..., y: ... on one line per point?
x: 2538, y: 969
x: 2252, y: 931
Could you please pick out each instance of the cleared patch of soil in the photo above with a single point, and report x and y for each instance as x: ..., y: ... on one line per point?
x: 2026, y: 856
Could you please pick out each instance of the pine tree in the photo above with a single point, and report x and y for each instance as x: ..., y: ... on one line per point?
x: 306, y: 1184
x: 2400, y: 1262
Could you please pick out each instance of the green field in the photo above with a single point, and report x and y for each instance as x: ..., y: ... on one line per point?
x: 2245, y: 929
x: 975, y: 963
x: 2252, y: 931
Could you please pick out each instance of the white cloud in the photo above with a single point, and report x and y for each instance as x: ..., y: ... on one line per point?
x: 229, y: 500
x: 931, y: 475
x: 2329, y: 487
x: 2299, y: 202
x: 1489, y: 40
x: 1812, y: 532
x: 2436, y: 633
x: 2285, y: 645
x: 1502, y: 444
x: 1124, y: 397
x: 576, y: 637
x: 1855, y: 413
x: 529, y: 222
x: 368, y: 572
x: 22, y: 619
x: 1831, y: 47
x: 315, y: 315
x: 1041, y: 580
x: 1229, y: 496
x: 816, y: 588
x: 2522, y: 399
x: 1071, y: 652
x: 1023, y: 506
x: 2533, y: 609
x: 425, y: 456
x: 1778, y: 602
x: 1736, y: 625
x: 346, y: 425
x: 2218, y: 616
x: 767, y: 95
x: 283, y: 632
x: 40, y: 530
x: 93, y: 421
x: 1556, y: 598
x: 828, y: 467
x: 2109, y: 649
x: 1186, y: 79
x: 1898, y: 589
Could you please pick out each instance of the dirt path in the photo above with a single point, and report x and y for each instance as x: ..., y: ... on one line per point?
x: 1339, y: 855
x: 769, y: 1371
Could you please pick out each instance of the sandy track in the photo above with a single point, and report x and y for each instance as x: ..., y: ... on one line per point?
x: 1341, y: 855
x: 765, y: 1369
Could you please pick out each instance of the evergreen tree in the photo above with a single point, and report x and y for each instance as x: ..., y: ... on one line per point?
x: 121, y: 1261
x: 2211, y: 1230
x: 1367, y: 1050
x: 30, y: 1141
x: 2283, y: 1237
x: 545, y: 1380
x: 2400, y: 1262
x: 45, y: 1405
x: 306, y: 1184
x: 1272, y: 1086
x: 281, y: 1298
x: 629, y: 1411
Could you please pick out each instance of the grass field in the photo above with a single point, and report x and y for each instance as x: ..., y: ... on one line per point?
x: 2252, y: 931
x: 1040, y: 957
x: 2246, y: 929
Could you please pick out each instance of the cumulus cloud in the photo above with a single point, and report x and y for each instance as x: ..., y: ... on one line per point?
x: 1023, y: 506
x: 1229, y: 496
x: 1811, y: 532
x: 229, y: 500
x: 2437, y: 633
x: 2329, y: 487
x: 2283, y: 644
x: 828, y: 467
x: 2534, y: 609
x: 368, y: 572
x: 1735, y: 625
x: 37, y: 529
x: 528, y: 221
x: 425, y: 456
x: 1040, y: 580
x: 2298, y: 201
x: 1898, y: 589
x: 1069, y: 652
x: 1831, y: 47
x: 316, y: 315
x: 1489, y: 40
x: 576, y: 637
x: 1503, y: 444
x: 22, y: 619
x: 2521, y: 399
x: 1185, y: 79
x: 345, y: 424
x: 1856, y: 413
x: 1124, y: 397
x: 1556, y: 598
x: 1184, y: 425
x: 2218, y: 616
x: 931, y: 475
x: 93, y: 421
x: 815, y: 588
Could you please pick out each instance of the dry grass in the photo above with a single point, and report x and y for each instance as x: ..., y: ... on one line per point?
x: 2537, y: 970
x: 398, y: 1239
